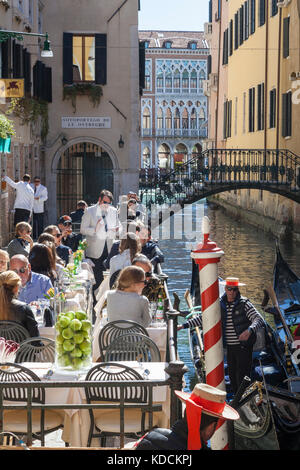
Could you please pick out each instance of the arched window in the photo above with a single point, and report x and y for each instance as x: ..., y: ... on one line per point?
x: 164, y: 156
x: 194, y: 81
x: 177, y: 119
x: 177, y: 81
x: 193, y: 119
x: 185, y: 119
x: 160, y: 119
x: 146, y: 163
x: 160, y: 81
x: 185, y: 80
x: 146, y: 119
x: 169, y: 82
x: 201, y: 117
x: 169, y: 119
x: 180, y: 155
x: 201, y: 78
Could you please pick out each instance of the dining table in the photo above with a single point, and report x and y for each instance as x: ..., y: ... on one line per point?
x: 77, y: 421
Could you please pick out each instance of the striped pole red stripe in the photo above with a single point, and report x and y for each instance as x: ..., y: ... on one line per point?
x: 207, y: 255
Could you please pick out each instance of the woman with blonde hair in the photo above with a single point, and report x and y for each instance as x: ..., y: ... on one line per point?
x: 130, y: 246
x: 4, y: 260
x: 126, y: 302
x: 22, y: 243
x: 12, y: 309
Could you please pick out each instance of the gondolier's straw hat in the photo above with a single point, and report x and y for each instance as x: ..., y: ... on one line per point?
x: 232, y: 282
x: 204, y: 399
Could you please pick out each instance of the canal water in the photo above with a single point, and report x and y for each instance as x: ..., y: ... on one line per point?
x: 249, y: 254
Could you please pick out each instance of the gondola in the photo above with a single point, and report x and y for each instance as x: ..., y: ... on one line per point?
x: 270, y: 406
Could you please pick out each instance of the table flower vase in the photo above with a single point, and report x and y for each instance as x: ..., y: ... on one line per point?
x: 73, y: 341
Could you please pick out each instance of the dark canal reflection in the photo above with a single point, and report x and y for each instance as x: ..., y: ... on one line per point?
x: 249, y: 254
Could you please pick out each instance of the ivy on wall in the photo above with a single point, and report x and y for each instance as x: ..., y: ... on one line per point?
x: 29, y: 111
x: 93, y: 91
x: 6, y: 127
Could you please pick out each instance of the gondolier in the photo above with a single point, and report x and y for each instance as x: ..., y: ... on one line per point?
x: 240, y: 322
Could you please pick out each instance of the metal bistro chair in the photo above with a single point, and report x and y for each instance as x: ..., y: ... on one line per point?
x: 117, y: 328
x: 37, y: 349
x: 120, y: 421
x: 16, y: 421
x: 133, y: 347
x: 13, y: 331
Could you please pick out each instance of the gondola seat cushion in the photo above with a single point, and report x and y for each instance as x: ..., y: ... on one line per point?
x: 273, y: 374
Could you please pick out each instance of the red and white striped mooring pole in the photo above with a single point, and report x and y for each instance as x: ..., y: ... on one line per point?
x: 207, y: 255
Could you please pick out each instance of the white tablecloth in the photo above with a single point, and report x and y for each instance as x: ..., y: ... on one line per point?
x: 77, y: 422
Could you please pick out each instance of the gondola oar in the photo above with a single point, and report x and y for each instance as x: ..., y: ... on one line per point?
x: 276, y: 306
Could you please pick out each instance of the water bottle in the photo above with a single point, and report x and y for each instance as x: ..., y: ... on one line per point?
x: 160, y: 310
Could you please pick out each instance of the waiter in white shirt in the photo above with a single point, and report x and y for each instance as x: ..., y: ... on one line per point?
x: 100, y: 226
x: 24, y: 198
x: 40, y: 197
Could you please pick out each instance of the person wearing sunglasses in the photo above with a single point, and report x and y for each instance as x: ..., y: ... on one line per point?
x: 240, y: 324
x: 40, y: 197
x: 126, y: 302
x: 34, y: 286
x: 22, y: 243
x: 62, y: 251
x: 68, y: 238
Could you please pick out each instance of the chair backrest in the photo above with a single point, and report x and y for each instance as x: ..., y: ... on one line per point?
x: 117, y: 328
x: 133, y: 347
x: 109, y: 371
x: 37, y: 349
x: 13, y: 331
x: 11, y: 372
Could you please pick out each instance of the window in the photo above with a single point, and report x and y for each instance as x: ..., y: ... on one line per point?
x: 194, y: 81
x: 159, y: 81
x: 230, y: 39
x: 286, y: 37
x: 227, y: 119
x: 146, y: 119
x: 274, y: 7
x: 185, y: 80
x: 168, y: 119
x: 208, y: 65
x: 225, y: 47
x: 84, y: 58
x: 244, y: 112
x: 167, y: 44
x: 192, y: 45
x: 262, y: 12
x: 272, y: 115
x: 146, y: 44
x: 252, y: 15
x: 193, y: 119
x: 260, y: 106
x: 177, y: 81
x: 241, y: 21
x: 236, y: 30
x: 251, y: 110
x: 177, y: 119
x: 185, y: 119
x: 169, y: 82
x: 160, y: 119
x: 246, y: 20
x: 287, y: 114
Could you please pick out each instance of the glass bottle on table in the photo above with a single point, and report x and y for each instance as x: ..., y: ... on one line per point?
x: 160, y: 309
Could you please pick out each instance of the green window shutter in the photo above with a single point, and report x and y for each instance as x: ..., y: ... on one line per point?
x: 27, y: 71
x: 286, y: 37
x: 101, y: 59
x: 67, y: 58
x: 142, y: 61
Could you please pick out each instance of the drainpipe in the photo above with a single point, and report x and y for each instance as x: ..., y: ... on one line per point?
x: 266, y: 78
x: 219, y: 66
x: 278, y: 78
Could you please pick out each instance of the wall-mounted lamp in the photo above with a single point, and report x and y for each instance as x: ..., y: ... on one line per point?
x: 64, y: 140
x: 121, y: 142
x: 19, y: 35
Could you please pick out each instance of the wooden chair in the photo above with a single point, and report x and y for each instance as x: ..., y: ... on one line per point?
x: 120, y: 421
x: 133, y: 347
x: 16, y: 421
x: 13, y: 331
x: 117, y: 328
x: 37, y: 349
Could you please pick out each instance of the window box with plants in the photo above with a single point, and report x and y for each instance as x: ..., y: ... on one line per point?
x: 90, y: 89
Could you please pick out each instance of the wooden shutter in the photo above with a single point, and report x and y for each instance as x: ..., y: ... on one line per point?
x: 253, y: 13
x: 142, y: 61
x: 262, y: 12
x: 5, y: 59
x: 101, y: 59
x: 286, y: 37
x: 27, y: 71
x: 210, y: 11
x: 17, y: 60
x: 225, y: 47
x: 231, y: 37
x: 236, y: 30
x: 241, y: 14
x: 47, y: 78
x: 67, y: 58
x: 284, y: 115
x: 208, y: 65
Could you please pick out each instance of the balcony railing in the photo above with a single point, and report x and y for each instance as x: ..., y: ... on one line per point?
x: 187, y: 133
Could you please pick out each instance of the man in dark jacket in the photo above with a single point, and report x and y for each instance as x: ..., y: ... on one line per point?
x: 150, y: 248
x: 76, y: 216
x: 68, y: 238
x: 205, y: 407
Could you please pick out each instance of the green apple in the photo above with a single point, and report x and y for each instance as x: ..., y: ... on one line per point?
x: 86, y: 325
x: 76, y: 352
x: 86, y: 346
x: 78, y: 337
x: 67, y: 333
x: 70, y: 314
x: 80, y: 315
x: 64, y: 360
x: 63, y: 321
x: 75, y: 324
x: 76, y: 362
x: 59, y: 349
x: 60, y: 339
x: 68, y: 345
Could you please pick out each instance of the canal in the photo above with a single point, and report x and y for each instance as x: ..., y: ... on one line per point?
x: 249, y: 254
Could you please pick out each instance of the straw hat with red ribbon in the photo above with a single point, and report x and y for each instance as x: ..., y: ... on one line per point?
x: 204, y: 399
x: 232, y: 282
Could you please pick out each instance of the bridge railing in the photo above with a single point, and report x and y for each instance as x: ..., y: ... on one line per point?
x: 218, y: 170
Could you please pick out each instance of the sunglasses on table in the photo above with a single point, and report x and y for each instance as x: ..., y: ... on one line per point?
x: 21, y: 270
x: 234, y: 289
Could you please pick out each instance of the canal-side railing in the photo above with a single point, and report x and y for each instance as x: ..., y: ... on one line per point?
x: 218, y: 170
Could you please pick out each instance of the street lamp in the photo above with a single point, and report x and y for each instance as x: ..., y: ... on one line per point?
x: 5, y: 35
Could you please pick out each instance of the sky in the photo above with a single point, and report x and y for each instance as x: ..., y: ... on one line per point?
x: 173, y: 15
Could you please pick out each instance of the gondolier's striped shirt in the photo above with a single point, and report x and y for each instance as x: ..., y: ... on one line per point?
x: 253, y: 316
